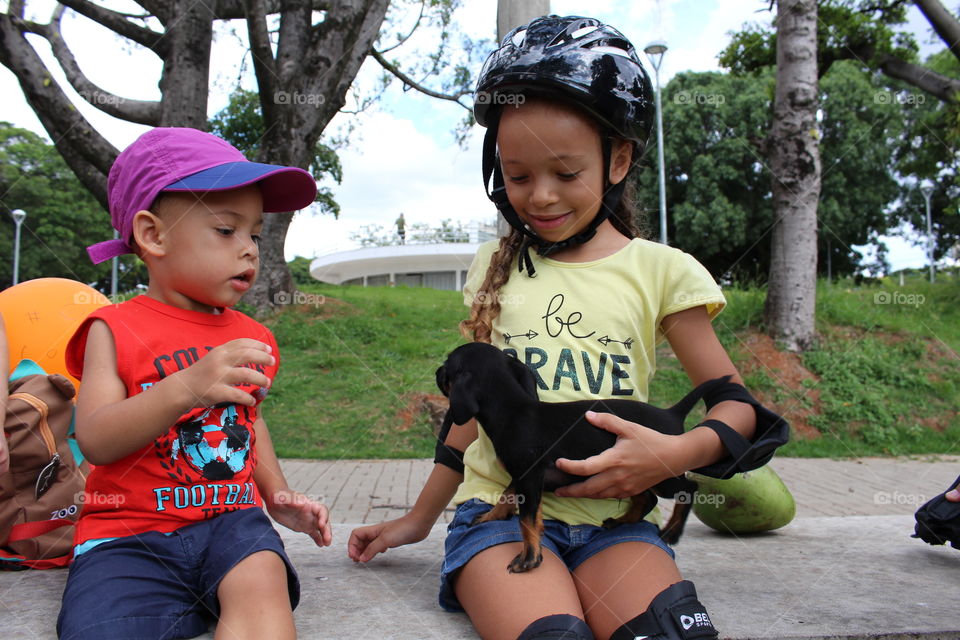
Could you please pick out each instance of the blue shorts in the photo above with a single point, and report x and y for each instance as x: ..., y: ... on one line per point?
x: 159, y: 585
x: 571, y: 543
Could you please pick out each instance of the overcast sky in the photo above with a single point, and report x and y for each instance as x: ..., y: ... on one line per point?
x: 402, y: 156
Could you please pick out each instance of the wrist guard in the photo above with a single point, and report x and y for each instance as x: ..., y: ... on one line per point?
x: 744, y: 455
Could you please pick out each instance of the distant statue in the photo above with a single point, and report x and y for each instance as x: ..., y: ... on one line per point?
x: 402, y: 229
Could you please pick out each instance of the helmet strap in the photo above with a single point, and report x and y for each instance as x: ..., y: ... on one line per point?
x: 498, y: 195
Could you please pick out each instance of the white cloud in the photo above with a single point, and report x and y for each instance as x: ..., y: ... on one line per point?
x: 396, y: 169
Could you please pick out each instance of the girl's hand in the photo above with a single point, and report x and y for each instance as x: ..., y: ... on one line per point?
x: 367, y: 542
x: 212, y: 379
x: 640, y: 459
x: 298, y: 512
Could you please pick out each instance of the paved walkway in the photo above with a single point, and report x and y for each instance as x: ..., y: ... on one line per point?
x: 846, y: 567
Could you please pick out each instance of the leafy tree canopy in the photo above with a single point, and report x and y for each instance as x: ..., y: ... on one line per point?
x: 62, y: 217
x: 719, y: 181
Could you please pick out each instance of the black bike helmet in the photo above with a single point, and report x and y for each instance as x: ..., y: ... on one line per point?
x: 578, y: 60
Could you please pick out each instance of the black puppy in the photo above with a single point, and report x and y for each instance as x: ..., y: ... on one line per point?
x: 528, y: 436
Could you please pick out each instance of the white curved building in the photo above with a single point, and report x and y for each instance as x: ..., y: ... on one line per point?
x: 438, y: 266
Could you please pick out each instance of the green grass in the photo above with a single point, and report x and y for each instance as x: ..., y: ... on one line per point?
x: 885, y: 369
x: 348, y: 367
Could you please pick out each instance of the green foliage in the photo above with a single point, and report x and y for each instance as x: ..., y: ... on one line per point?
x: 929, y: 151
x: 719, y: 184
x: 241, y: 124
x: 349, y: 365
x: 62, y: 217
x: 858, y: 30
x: 300, y: 270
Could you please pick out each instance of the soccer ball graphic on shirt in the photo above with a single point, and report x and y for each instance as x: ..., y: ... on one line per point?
x: 216, y: 443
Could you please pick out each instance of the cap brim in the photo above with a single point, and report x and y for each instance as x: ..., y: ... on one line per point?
x: 282, y: 188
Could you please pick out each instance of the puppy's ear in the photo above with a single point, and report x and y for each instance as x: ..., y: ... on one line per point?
x: 523, y: 375
x: 442, y: 380
x: 463, y: 399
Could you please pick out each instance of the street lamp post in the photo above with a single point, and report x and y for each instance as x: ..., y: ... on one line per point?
x: 18, y: 216
x: 655, y: 51
x: 927, y: 190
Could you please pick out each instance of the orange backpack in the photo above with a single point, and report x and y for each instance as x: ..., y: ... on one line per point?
x: 41, y: 494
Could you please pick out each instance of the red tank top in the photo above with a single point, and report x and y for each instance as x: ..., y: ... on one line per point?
x: 203, y: 465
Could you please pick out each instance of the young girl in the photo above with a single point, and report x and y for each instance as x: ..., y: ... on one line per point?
x: 567, y: 106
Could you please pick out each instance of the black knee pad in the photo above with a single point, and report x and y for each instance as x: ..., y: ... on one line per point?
x: 561, y: 626
x: 675, y: 614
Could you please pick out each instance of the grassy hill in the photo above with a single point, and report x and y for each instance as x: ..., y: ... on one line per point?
x: 357, y: 364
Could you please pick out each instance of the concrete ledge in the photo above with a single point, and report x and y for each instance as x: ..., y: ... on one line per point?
x: 819, y: 577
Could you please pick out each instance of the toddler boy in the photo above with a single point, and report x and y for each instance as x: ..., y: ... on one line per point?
x: 172, y: 535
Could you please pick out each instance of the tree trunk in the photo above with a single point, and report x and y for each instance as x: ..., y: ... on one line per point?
x: 186, y: 68
x: 513, y: 13
x: 795, y: 164
x: 301, y: 89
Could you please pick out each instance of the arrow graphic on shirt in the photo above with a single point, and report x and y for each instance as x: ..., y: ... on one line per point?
x: 605, y: 340
x: 530, y: 335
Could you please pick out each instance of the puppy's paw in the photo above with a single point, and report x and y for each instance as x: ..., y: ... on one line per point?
x: 525, y: 562
x: 670, y: 535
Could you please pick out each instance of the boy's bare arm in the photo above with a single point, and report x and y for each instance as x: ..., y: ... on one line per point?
x: 292, y: 509
x: 111, y: 426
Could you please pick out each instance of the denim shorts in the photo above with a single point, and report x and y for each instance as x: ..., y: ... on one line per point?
x: 163, y: 585
x: 571, y: 543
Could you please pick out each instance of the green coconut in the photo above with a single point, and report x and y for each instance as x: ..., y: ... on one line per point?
x: 748, y: 502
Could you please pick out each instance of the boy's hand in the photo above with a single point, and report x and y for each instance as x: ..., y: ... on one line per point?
x: 297, y: 512
x: 212, y: 380
x: 367, y: 542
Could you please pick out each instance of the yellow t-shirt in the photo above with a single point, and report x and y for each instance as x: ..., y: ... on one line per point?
x: 587, y: 330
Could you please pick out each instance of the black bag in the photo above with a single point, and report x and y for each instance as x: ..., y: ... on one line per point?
x: 938, y: 521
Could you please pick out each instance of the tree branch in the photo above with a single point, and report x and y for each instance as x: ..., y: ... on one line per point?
x: 423, y: 6
x: 85, y: 151
x: 140, y: 111
x: 938, y: 85
x: 264, y: 65
x: 943, y: 22
x: 410, y: 82
x: 119, y: 24
x: 234, y: 9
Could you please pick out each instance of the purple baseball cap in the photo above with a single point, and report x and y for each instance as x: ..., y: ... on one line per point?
x: 182, y: 159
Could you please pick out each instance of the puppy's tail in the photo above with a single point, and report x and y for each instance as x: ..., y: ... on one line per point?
x: 683, y: 407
